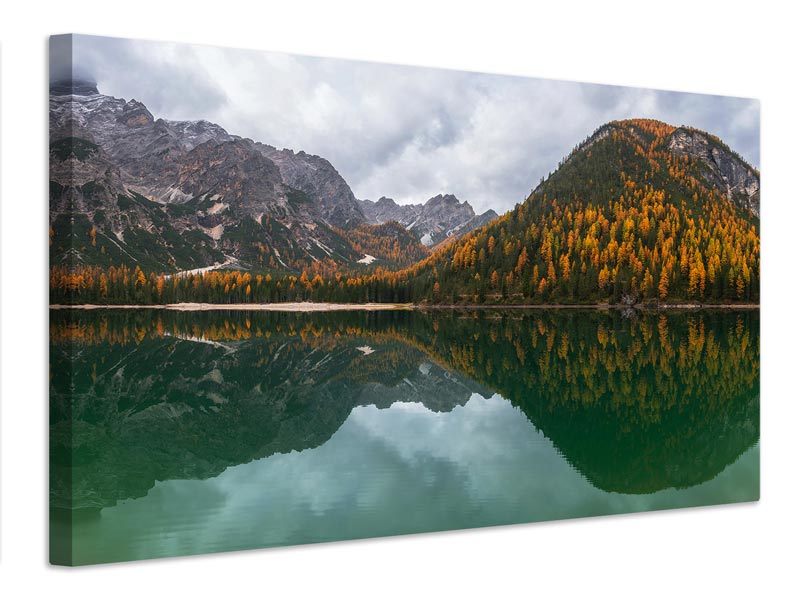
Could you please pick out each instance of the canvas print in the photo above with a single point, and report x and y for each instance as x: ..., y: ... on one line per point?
x: 299, y: 299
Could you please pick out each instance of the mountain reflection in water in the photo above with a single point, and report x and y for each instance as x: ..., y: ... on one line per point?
x: 179, y: 433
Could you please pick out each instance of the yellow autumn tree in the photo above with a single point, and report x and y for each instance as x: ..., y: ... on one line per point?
x: 663, y: 284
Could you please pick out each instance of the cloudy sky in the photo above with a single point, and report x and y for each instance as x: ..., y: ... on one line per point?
x: 404, y: 132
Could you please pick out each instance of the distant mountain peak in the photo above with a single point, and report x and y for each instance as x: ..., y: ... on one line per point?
x: 447, y: 200
x: 441, y: 217
x: 135, y: 114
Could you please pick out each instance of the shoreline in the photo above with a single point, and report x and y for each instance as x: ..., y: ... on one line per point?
x: 275, y: 307
x: 376, y: 306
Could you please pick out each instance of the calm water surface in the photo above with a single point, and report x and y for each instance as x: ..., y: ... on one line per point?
x: 182, y: 433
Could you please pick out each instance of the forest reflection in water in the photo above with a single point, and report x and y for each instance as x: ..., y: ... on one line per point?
x: 183, y: 432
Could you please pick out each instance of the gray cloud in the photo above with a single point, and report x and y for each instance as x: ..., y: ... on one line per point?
x: 404, y: 132
x: 168, y: 78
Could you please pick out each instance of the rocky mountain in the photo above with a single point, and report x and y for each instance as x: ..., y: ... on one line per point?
x: 316, y: 177
x: 440, y: 218
x: 728, y: 172
x: 385, y: 209
x: 173, y: 195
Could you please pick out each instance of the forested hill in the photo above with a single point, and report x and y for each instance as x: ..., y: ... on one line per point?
x: 640, y: 210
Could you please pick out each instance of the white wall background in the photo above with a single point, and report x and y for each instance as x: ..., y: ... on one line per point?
x: 735, y: 48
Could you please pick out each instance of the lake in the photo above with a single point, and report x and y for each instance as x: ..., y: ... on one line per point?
x: 191, y: 432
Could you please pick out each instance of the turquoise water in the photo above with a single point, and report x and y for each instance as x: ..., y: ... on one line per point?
x: 187, y: 433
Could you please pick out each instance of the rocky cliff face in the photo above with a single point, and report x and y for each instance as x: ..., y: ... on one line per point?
x: 317, y: 178
x: 96, y: 219
x: 385, y: 209
x: 441, y: 217
x: 724, y: 169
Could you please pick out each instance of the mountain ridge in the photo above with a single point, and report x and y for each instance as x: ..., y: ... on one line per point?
x: 437, y: 219
x: 169, y: 195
